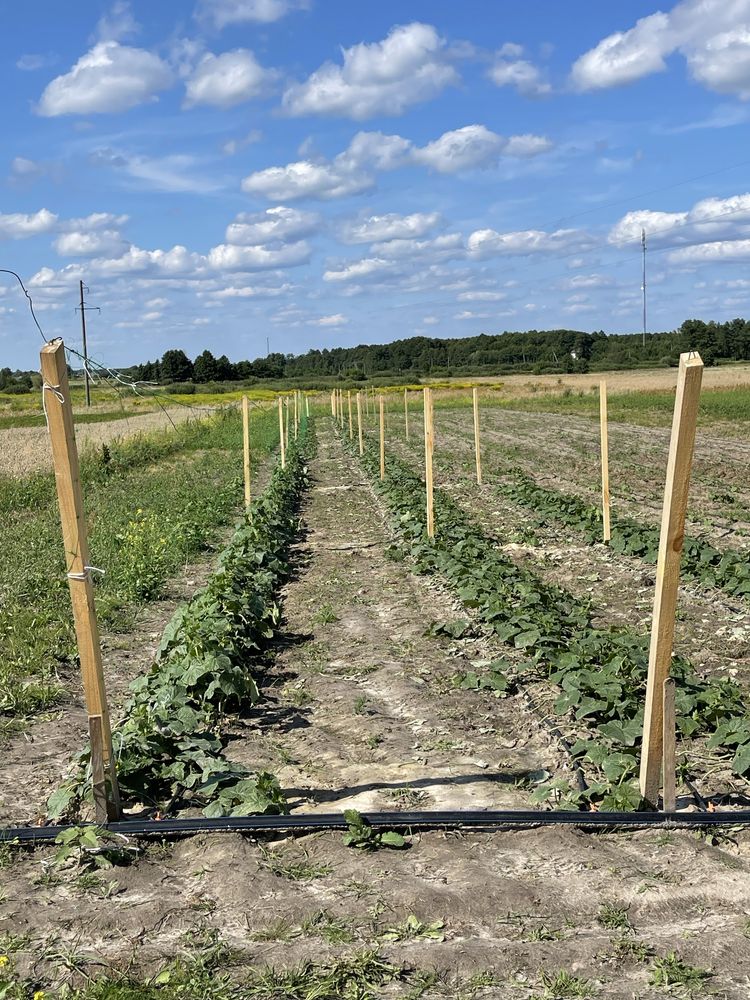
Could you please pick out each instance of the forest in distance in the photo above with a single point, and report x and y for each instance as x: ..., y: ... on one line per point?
x: 538, y: 352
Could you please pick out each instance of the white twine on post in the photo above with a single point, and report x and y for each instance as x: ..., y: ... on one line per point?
x: 87, y: 571
x: 55, y: 390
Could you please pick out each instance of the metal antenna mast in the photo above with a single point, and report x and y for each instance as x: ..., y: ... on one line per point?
x: 83, y: 307
x: 643, y: 285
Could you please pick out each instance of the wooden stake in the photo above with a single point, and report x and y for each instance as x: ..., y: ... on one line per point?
x: 281, y: 433
x: 406, y: 412
x: 669, y: 780
x: 246, y: 446
x: 351, y: 423
x: 307, y: 405
x: 475, y: 401
x: 56, y: 395
x: 359, y: 423
x: 668, y: 567
x: 98, y: 778
x: 429, y: 443
x: 382, y: 437
x: 296, y: 413
x: 333, y: 403
x: 604, y: 438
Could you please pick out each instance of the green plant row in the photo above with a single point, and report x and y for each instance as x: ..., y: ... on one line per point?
x: 152, y: 503
x: 601, y: 672
x: 727, y: 570
x: 169, y: 748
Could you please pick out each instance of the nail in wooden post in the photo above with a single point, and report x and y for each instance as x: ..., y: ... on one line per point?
x: 351, y: 422
x: 246, y: 446
x: 406, y: 412
x: 669, y: 779
x: 382, y: 437
x: 359, y: 423
x: 671, y: 539
x: 281, y: 433
x: 429, y: 442
x: 607, y: 532
x: 75, y: 540
x: 475, y: 402
x: 98, y: 778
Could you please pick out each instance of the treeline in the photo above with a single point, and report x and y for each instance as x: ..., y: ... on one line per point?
x: 537, y: 351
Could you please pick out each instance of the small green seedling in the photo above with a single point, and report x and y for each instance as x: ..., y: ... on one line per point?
x: 362, y: 835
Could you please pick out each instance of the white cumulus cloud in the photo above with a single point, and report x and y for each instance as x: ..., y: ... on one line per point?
x: 510, y: 70
x: 378, y: 228
x: 91, y: 244
x: 489, y: 243
x: 109, y: 78
x: 280, y: 224
x: 225, y: 257
x: 227, y: 79
x: 305, y: 179
x: 338, y: 319
x: 18, y: 225
x: 407, y: 67
x: 712, y: 35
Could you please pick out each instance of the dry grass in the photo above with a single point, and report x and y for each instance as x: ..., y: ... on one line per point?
x: 24, y: 450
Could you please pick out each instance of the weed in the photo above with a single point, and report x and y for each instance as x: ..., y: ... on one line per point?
x: 325, y: 615
x: 674, y: 971
x: 544, y: 933
x: 614, y: 917
x: 331, y: 929
x: 630, y: 947
x: 360, y: 704
x: 357, y: 977
x: 279, y: 930
x: 564, y: 986
x: 412, y: 928
x: 295, y: 869
x: 374, y: 740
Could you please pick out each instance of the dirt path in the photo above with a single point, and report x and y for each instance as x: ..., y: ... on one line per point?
x: 509, y: 912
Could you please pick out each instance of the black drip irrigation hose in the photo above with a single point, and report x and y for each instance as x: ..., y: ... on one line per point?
x: 490, y: 819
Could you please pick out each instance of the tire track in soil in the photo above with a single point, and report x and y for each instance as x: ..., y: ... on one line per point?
x: 361, y: 711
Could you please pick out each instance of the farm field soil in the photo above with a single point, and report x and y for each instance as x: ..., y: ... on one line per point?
x: 650, y: 380
x: 24, y: 450
x: 359, y: 710
x: 712, y: 629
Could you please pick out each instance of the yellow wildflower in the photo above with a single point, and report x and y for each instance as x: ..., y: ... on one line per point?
x: 39, y: 995
x: 3, y: 960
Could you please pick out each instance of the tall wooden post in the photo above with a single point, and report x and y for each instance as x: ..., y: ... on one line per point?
x: 307, y: 405
x: 351, y: 422
x: 246, y: 446
x: 281, y: 433
x: 669, y: 781
x: 56, y: 394
x: 406, y: 412
x: 296, y: 413
x: 671, y: 540
x: 429, y: 444
x: 382, y: 437
x: 604, y: 440
x: 359, y: 423
x: 477, y: 450
x: 333, y: 403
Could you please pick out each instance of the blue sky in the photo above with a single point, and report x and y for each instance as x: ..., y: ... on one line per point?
x: 320, y: 172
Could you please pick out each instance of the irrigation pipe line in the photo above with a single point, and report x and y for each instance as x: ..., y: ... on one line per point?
x: 491, y: 819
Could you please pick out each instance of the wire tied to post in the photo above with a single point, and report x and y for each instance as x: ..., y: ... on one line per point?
x: 56, y: 391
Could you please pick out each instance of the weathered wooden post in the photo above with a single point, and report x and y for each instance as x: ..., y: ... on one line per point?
x: 351, y: 423
x: 477, y: 450
x: 429, y: 443
x: 359, y: 423
x: 669, y: 768
x: 246, y: 447
x: 382, y: 437
x: 281, y: 433
x: 59, y: 413
x: 406, y: 412
x: 604, y: 441
x: 671, y: 540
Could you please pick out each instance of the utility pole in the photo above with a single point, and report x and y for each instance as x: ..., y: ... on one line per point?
x: 643, y: 285
x: 83, y: 307
x: 268, y: 347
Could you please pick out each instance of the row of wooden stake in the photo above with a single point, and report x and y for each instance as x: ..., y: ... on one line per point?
x: 658, y: 748
x: 658, y: 756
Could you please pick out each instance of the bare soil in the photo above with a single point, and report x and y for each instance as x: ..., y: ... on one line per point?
x: 360, y: 711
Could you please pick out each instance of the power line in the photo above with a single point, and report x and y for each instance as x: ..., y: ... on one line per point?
x: 83, y: 307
